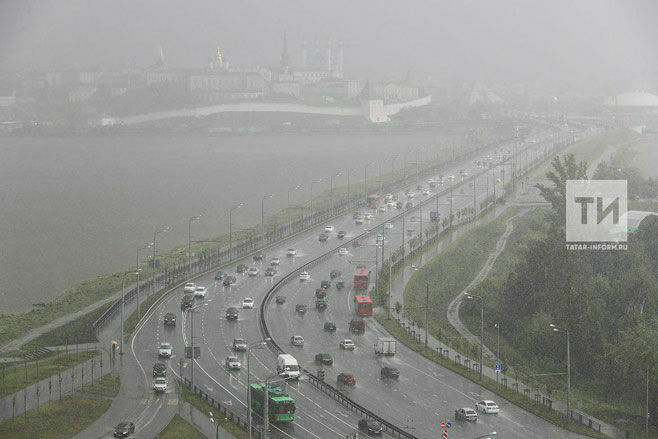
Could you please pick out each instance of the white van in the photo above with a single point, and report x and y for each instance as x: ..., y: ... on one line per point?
x: 287, y: 366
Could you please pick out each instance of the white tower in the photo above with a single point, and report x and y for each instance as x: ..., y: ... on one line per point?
x: 338, y: 73
x: 327, y: 56
x: 304, y: 54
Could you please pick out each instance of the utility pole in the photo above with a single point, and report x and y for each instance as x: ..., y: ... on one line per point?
x: 427, y: 305
x: 123, y: 301
x: 481, y: 333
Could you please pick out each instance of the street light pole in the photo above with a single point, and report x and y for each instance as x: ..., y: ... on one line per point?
x: 249, y: 347
x: 331, y: 190
x: 192, y: 312
x: 497, y: 325
x: 230, y: 230
x: 189, y: 242
x: 556, y: 329
x: 349, y: 171
x: 481, y: 327
x: 155, y: 234
x: 262, y: 219
x: 312, y: 183
x: 123, y: 301
x: 288, y: 209
x: 137, y: 271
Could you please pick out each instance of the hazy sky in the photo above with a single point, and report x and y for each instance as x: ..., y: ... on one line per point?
x: 451, y: 39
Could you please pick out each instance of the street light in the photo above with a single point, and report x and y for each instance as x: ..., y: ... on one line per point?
x: 266, y: 414
x: 331, y: 190
x: 349, y: 171
x: 155, y: 234
x: 556, y: 329
x: 189, y: 242
x: 497, y: 326
x: 249, y: 347
x: 471, y: 296
x: 123, y: 302
x: 365, y: 180
x: 427, y: 299
x: 217, y: 423
x: 288, y: 209
x: 192, y: 312
x: 138, y: 270
x: 262, y: 219
x: 312, y: 183
x: 230, y: 230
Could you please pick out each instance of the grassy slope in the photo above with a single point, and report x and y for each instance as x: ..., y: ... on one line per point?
x: 179, y: 428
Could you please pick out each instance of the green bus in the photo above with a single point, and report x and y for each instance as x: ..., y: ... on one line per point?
x: 281, y: 407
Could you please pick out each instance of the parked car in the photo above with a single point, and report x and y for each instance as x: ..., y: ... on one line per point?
x: 390, y: 372
x: 280, y: 300
x: 334, y: 274
x: 253, y: 271
x: 297, y: 340
x: 239, y: 344
x: 187, y: 301
x: 330, y: 326
x: 347, y: 344
x: 229, y: 280
x: 341, y: 234
x: 271, y: 271
x: 189, y: 287
x: 247, y: 303
x: 200, y: 292
x: 160, y: 384
x: 259, y: 257
x: 124, y: 429
x: 165, y: 350
x: 241, y: 268
x: 346, y: 379
x: 232, y: 363
x: 487, y: 406
x: 232, y: 313
x: 291, y: 252
x: 159, y: 369
x: 466, y: 414
x: 275, y: 260
x: 170, y: 319
x: 324, y: 358
x: 220, y: 275
x: 371, y: 427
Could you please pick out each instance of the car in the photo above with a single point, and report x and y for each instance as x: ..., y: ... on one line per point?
x: 325, y: 284
x: 232, y: 363
x: 466, y: 414
x: 187, y: 301
x: 329, y: 229
x: 247, y: 303
x: 419, y: 187
x: 430, y: 180
x: 341, y: 234
x: 409, y: 205
x: 346, y: 379
x: 340, y: 285
x: 200, y: 292
x: 253, y: 271
x: 486, y: 406
x: 330, y: 326
x: 159, y: 369
x: 231, y: 313
x: 356, y: 215
x: 275, y: 260
x: 389, y: 372
x: 390, y: 204
x: 291, y: 252
x: 189, y: 287
x: 321, y: 304
x: 358, y: 221
x: 426, y: 192
x: 124, y: 429
x: 320, y: 293
x: 297, y: 340
x: 239, y: 344
x: 160, y: 384
x: 324, y: 358
x: 367, y: 216
x: 220, y: 275
x: 300, y: 308
x: 451, y: 177
x: 347, y: 344
x: 304, y: 276
x: 241, y: 268
x: 388, y: 225
x: 170, y: 319
x: 343, y: 251
x: 280, y: 300
x: 382, y: 209
x: 165, y: 350
x: 411, y: 195
x: 271, y: 271
x: 334, y: 274
x: 371, y: 427
x: 258, y: 257
x: 229, y: 280
x: 323, y: 237
x: 398, y: 205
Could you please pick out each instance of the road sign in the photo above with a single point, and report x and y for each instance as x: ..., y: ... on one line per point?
x: 443, y: 425
x: 498, y: 366
x: 445, y: 434
x: 448, y: 425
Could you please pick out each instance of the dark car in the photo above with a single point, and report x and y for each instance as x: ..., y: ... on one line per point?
x: 271, y: 271
x: 229, y: 280
x: 325, y: 284
x: 390, y: 372
x: 324, y: 358
x: 320, y: 293
x: 398, y: 205
x: 187, y: 302
x: 346, y: 379
x: 357, y: 326
x: 323, y: 237
x: 371, y: 427
x: 340, y: 285
x: 334, y: 274
x: 321, y: 304
x: 341, y: 234
x: 409, y: 205
x: 170, y: 319
x: 259, y: 257
x: 241, y: 268
x: 159, y: 370
x: 280, y: 300
x: 232, y: 313
x: 124, y: 429
x: 239, y: 344
x: 220, y: 275
x: 330, y: 326
x: 300, y: 308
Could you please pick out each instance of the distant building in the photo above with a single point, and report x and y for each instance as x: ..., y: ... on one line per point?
x: 164, y: 76
x: 639, y: 102
x: 7, y: 101
x: 222, y: 85
x: 392, y: 91
x: 82, y: 93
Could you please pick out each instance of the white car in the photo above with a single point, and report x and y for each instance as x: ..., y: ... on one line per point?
x: 232, y: 363
x: 165, y: 350
x: 291, y: 252
x: 487, y: 406
x: 388, y: 226
x: 328, y: 229
x: 426, y: 192
x: 451, y: 177
x: 160, y: 384
x: 390, y: 203
x: 247, y: 303
x: 189, y: 287
x: 358, y: 221
x: 200, y: 292
x: 343, y: 251
x: 367, y: 216
x: 275, y: 260
x: 430, y: 180
x: 347, y: 344
x: 411, y: 195
x: 253, y: 271
x: 297, y: 340
x: 304, y: 276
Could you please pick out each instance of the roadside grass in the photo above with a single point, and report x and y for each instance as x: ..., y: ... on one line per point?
x: 179, y: 428
x: 19, y: 376
x: 56, y: 419
x: 508, y: 394
x: 201, y: 405
x: 106, y: 385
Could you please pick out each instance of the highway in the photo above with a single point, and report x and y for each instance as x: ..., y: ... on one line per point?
x: 424, y: 396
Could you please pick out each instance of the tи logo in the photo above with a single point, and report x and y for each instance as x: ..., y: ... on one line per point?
x: 596, y: 210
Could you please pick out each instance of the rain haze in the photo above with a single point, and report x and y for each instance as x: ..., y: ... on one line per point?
x: 329, y: 219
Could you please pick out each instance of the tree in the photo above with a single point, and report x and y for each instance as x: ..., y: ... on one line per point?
x: 563, y: 169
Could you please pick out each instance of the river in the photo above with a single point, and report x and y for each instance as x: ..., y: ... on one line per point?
x: 73, y: 208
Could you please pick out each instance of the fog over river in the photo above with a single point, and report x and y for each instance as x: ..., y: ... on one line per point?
x: 73, y: 208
